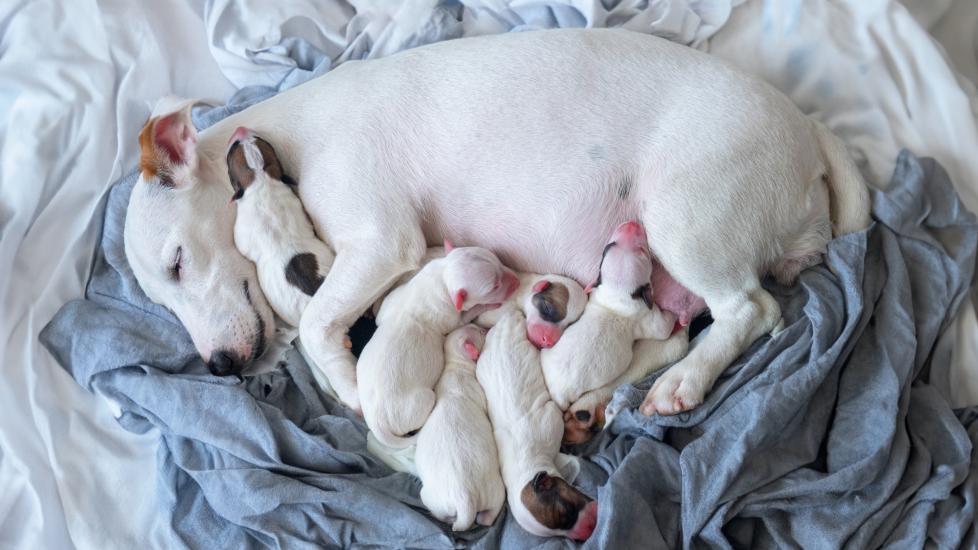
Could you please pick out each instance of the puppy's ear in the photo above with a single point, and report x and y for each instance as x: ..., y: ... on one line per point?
x: 471, y: 349
x: 645, y: 293
x: 590, y: 287
x: 540, y: 286
x: 240, y: 174
x: 459, y: 298
x: 449, y: 246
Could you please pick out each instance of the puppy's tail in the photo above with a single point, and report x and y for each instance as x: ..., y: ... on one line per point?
x: 465, y: 513
x: 848, y: 196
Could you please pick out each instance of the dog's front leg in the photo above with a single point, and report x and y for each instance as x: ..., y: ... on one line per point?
x: 361, y: 273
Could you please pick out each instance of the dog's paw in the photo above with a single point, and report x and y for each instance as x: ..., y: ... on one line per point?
x: 674, y: 392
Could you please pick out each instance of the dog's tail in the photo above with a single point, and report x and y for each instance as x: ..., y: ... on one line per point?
x: 465, y: 513
x: 848, y: 196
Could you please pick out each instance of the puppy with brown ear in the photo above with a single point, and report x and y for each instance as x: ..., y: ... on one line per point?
x: 456, y: 454
x: 528, y: 427
x: 401, y: 363
x: 549, y: 302
x: 597, y: 349
x: 272, y: 229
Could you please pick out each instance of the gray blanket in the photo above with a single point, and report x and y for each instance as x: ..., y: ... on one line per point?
x: 827, y: 435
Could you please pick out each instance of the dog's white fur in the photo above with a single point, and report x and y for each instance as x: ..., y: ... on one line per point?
x: 535, y: 145
x: 456, y: 454
x: 401, y: 363
x: 271, y: 228
x: 526, y: 422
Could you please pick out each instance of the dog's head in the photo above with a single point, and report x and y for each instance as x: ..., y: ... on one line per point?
x: 474, y: 276
x: 180, y: 244
x: 548, y: 506
x: 626, y: 263
x: 553, y: 303
x: 463, y: 345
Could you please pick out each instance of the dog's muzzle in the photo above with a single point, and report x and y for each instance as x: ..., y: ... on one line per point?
x: 225, y: 363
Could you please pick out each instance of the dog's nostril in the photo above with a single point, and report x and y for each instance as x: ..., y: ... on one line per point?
x: 224, y: 363
x: 583, y: 416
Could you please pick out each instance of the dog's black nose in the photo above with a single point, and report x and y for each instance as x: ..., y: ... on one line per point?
x: 224, y: 363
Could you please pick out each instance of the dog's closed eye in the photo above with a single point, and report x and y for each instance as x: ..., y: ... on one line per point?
x: 176, y: 268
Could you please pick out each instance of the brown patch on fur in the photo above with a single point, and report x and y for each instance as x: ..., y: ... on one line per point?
x: 553, y: 502
x: 581, y: 426
x: 551, y: 302
x: 240, y: 174
x: 149, y: 160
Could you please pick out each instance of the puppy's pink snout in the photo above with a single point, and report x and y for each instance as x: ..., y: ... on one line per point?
x: 587, y: 520
x: 630, y: 234
x: 543, y: 335
x: 239, y: 134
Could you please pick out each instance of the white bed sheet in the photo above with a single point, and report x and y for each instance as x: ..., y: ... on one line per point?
x: 77, y: 80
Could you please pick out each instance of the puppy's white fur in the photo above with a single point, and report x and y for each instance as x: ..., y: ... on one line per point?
x: 456, y: 454
x: 727, y: 175
x: 271, y: 229
x: 401, y: 363
x: 526, y: 422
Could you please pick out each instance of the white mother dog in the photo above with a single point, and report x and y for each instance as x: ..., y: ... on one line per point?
x: 535, y: 145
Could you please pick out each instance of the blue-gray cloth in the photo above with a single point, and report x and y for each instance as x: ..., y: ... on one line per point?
x: 826, y: 435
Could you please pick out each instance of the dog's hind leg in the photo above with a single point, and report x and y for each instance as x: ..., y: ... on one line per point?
x: 740, y: 317
x: 361, y: 273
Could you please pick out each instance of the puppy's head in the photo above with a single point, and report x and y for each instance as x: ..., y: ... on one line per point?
x: 583, y: 424
x: 549, y: 506
x: 626, y: 263
x: 179, y: 242
x: 554, y: 303
x: 251, y: 159
x: 474, y: 276
x: 463, y: 345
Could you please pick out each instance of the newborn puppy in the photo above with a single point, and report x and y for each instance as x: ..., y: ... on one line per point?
x: 399, y: 366
x: 272, y: 229
x: 597, y: 349
x: 456, y: 456
x: 549, y: 302
x: 586, y: 416
x: 528, y: 427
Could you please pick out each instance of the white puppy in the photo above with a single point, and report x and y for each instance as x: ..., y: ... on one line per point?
x: 528, y: 428
x: 399, y: 366
x: 456, y: 455
x: 597, y: 349
x: 272, y: 229
x: 549, y: 302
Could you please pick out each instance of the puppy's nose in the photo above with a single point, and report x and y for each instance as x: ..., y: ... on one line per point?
x: 224, y: 363
x: 630, y: 234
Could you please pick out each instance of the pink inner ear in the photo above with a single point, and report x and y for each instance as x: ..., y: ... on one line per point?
x: 172, y: 134
x: 541, y: 286
x: 449, y: 246
x: 471, y: 350
x: 460, y: 299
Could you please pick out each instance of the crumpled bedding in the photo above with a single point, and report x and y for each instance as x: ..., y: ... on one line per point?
x: 826, y: 435
x: 79, y: 80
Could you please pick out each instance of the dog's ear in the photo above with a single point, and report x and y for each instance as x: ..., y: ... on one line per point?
x: 540, y: 286
x: 471, y: 350
x: 459, y: 298
x: 168, y: 143
x: 240, y: 174
x: 449, y: 246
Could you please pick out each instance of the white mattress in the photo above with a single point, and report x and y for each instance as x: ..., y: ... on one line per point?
x: 77, y: 81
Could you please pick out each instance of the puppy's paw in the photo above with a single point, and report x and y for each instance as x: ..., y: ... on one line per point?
x: 581, y: 424
x: 676, y: 391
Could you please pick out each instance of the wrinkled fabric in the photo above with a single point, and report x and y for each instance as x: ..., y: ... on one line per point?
x: 826, y: 435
